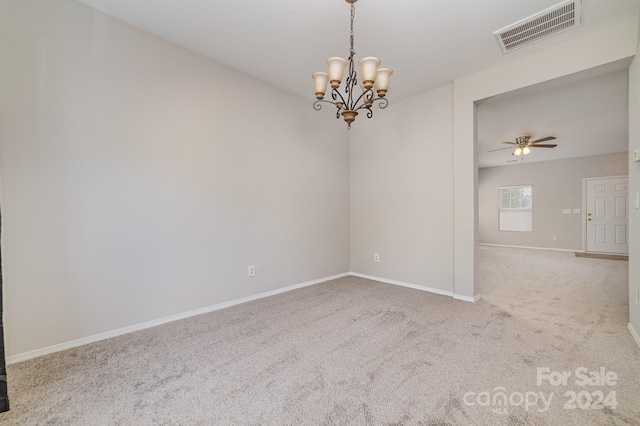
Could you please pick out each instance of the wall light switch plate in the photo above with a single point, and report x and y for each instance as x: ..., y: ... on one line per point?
x: 576, y: 211
x: 566, y: 211
x: 636, y: 155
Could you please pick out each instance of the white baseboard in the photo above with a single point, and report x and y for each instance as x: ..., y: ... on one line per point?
x: 467, y: 298
x: 530, y: 248
x: 418, y: 287
x: 137, y: 327
x: 403, y: 284
x: 634, y: 333
x: 130, y: 329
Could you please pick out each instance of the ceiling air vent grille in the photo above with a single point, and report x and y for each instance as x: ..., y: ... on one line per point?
x: 560, y: 17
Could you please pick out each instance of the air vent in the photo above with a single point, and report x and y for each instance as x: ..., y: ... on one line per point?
x: 558, y: 18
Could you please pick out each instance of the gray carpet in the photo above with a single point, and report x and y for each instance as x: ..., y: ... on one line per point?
x: 353, y: 351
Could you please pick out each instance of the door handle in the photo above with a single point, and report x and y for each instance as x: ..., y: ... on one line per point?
x: 589, y: 219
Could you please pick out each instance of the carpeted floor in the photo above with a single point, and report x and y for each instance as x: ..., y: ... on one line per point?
x: 353, y: 351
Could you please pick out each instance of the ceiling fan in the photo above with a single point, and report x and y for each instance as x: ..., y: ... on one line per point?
x: 524, y: 145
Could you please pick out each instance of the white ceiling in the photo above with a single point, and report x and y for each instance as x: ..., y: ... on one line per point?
x: 588, y: 117
x: 427, y: 43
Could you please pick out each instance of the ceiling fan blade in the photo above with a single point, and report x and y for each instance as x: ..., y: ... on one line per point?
x: 544, y: 145
x: 500, y: 149
x: 548, y: 138
x: 511, y: 143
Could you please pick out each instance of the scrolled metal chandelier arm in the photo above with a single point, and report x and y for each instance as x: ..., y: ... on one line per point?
x: 349, y: 108
x: 335, y: 94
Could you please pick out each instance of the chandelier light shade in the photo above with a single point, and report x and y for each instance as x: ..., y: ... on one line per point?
x: 369, y: 67
x: 320, y: 80
x: 382, y: 81
x: 375, y: 80
x: 336, y: 70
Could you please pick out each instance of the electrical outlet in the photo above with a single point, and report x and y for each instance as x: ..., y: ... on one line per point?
x: 376, y: 258
x: 252, y: 271
x: 555, y: 238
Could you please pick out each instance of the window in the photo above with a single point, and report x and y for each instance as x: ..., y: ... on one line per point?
x: 515, y: 208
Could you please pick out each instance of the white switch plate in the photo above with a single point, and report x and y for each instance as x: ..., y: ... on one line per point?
x: 566, y: 211
x: 637, y: 200
x: 576, y: 211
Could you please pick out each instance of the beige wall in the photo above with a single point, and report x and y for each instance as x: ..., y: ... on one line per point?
x: 557, y: 185
x: 402, y: 192
x: 141, y: 180
x: 634, y: 190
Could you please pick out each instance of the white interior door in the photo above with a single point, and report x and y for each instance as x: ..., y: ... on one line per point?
x: 608, y: 215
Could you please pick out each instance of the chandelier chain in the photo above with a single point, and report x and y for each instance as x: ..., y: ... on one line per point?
x: 353, y: 14
x: 351, y: 77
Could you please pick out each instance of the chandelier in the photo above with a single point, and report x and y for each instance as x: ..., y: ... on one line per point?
x: 374, y: 81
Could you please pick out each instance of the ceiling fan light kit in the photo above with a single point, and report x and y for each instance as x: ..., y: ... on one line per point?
x: 375, y: 80
x: 524, y: 145
x: 522, y: 151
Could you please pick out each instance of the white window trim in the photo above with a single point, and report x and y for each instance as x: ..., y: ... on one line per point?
x: 501, y: 209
